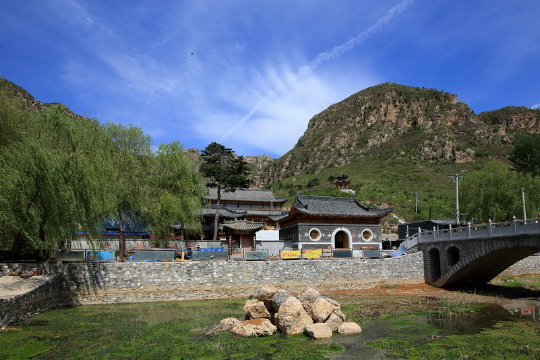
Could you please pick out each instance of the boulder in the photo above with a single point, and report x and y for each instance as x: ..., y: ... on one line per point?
x: 349, y: 328
x: 320, y: 309
x: 266, y: 293
x: 256, y: 309
x: 333, y: 322
x: 291, y: 317
x: 254, y: 328
x: 318, y: 331
x: 224, y: 325
x: 340, y: 314
x: 279, y: 298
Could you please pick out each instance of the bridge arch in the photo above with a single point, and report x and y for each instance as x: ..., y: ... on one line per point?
x: 488, y: 259
x: 452, y: 255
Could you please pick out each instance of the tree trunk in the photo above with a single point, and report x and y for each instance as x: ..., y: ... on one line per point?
x: 216, y: 219
x: 121, y: 241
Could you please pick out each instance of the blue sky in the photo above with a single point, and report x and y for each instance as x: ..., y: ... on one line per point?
x: 250, y: 74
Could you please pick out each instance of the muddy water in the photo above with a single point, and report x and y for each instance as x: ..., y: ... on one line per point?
x: 426, y: 328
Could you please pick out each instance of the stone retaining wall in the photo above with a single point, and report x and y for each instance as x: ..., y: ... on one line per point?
x: 529, y: 265
x: 163, y: 281
x: 90, y: 283
x: 48, y: 293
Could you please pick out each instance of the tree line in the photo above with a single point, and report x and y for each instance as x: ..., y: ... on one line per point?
x: 502, y: 190
x: 62, y: 173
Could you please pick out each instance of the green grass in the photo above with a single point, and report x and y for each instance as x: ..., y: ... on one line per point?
x: 531, y: 282
x: 387, y: 183
x: 148, y: 331
x: 506, y: 340
x: 178, y: 330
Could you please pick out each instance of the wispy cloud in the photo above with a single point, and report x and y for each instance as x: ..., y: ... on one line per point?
x: 339, y: 50
x: 260, y: 70
x: 306, y: 70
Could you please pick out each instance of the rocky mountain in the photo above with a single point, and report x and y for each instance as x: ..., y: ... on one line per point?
x: 391, y: 121
x: 258, y: 163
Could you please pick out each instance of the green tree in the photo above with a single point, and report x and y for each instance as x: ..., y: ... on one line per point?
x: 525, y: 154
x: 494, y: 192
x: 224, y: 171
x: 132, y: 158
x: 55, y: 176
x: 177, y: 191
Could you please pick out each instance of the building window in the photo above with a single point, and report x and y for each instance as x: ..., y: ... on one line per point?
x: 314, y: 234
x: 367, y: 235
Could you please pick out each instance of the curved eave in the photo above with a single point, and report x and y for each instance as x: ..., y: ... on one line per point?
x: 296, y: 214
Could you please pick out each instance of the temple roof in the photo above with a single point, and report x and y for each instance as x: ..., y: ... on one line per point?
x: 244, y: 225
x: 254, y: 195
x: 336, y: 206
x: 269, y: 213
x: 223, y: 213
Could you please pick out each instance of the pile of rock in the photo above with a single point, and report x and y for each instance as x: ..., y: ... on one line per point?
x: 272, y: 310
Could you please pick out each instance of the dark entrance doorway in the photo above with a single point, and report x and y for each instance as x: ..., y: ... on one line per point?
x: 341, y: 240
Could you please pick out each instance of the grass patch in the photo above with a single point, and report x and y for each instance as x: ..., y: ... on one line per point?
x: 531, y: 282
x: 506, y: 340
x: 148, y: 331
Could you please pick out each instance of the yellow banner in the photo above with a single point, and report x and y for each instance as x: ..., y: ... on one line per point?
x: 290, y: 254
x: 312, y: 253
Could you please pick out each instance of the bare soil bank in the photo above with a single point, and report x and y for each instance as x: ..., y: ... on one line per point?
x: 407, y: 298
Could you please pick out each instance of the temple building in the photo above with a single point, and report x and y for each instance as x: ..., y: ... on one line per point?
x: 323, y: 222
x: 241, y: 214
x: 342, y: 182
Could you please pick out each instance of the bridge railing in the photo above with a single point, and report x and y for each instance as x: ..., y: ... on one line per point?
x: 477, y: 231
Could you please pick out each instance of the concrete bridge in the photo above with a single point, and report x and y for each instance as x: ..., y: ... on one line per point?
x: 475, y: 253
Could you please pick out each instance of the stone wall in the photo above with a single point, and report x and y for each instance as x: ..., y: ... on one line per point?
x: 529, y: 265
x: 164, y: 281
x: 48, y: 293
x: 92, y: 283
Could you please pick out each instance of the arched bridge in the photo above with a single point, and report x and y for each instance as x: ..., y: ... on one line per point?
x: 475, y: 253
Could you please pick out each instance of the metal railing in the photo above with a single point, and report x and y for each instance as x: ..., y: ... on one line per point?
x: 477, y: 231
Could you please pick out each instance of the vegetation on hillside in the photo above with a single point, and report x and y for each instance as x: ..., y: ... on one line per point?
x: 396, y: 141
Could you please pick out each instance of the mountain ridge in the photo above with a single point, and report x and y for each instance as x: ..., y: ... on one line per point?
x: 391, y: 121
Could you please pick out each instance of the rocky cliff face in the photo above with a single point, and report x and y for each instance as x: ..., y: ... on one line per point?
x: 392, y: 121
x: 257, y: 163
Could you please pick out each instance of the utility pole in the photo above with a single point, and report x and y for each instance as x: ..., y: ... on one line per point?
x: 457, y: 178
x: 416, y: 203
x: 523, y: 202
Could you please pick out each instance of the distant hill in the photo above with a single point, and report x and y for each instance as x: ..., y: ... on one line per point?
x: 397, y: 144
x: 391, y: 122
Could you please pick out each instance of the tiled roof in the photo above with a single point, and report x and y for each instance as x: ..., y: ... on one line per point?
x: 268, y: 213
x: 243, y: 225
x: 255, y: 195
x: 336, y: 206
x: 223, y: 213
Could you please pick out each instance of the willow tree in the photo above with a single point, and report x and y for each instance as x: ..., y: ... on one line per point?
x: 132, y: 158
x: 224, y: 171
x: 56, y: 176
x: 177, y: 193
